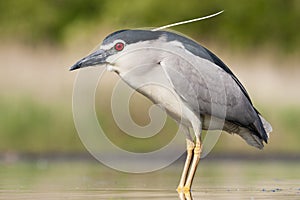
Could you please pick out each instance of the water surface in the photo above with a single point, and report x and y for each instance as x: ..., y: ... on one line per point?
x: 81, y: 180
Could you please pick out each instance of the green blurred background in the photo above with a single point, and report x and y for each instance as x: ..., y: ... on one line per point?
x: 40, y: 40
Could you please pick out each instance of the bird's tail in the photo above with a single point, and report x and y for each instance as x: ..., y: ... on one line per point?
x: 267, y: 126
x: 252, y: 138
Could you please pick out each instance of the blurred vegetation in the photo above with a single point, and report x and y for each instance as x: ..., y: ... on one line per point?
x: 244, y: 23
x: 30, y: 126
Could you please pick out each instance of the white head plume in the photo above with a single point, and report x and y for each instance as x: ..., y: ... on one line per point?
x: 187, y: 21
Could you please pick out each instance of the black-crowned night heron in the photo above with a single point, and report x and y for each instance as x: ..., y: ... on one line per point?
x: 201, y: 91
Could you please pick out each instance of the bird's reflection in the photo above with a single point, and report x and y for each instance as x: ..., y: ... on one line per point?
x: 185, y: 195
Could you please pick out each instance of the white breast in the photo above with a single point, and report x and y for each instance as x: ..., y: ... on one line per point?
x: 166, y: 98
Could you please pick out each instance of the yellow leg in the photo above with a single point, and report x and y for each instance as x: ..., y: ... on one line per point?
x: 196, y: 158
x: 190, y: 147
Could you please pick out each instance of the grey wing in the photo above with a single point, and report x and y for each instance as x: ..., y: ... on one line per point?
x: 209, y: 90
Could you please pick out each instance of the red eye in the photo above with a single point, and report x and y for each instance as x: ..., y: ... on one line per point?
x: 119, y: 46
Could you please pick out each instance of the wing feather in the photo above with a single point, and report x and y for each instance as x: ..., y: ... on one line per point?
x: 207, y: 89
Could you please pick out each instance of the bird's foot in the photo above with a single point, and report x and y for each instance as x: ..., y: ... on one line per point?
x: 184, y: 189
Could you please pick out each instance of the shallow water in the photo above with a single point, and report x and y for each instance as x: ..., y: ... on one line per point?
x: 78, y: 180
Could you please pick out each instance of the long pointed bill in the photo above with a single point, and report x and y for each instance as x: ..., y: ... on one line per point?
x: 96, y: 58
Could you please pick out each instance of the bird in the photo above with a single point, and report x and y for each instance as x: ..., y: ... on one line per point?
x: 188, y: 81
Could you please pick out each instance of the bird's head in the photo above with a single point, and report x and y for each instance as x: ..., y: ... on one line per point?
x: 123, y: 49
